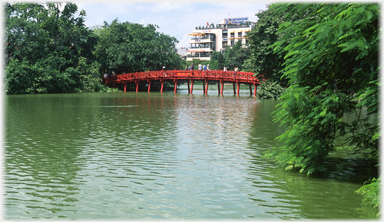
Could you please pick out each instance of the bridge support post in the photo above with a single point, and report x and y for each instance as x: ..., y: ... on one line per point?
x: 175, y: 90
x: 137, y: 86
x: 188, y: 87
x: 206, y: 87
x: 162, y: 86
x: 250, y: 89
x: 254, y: 93
x: 238, y: 88
x: 234, y: 89
x: 222, y: 88
x: 149, y: 86
x: 125, y: 87
x: 192, y: 86
x: 218, y: 87
x: 203, y: 87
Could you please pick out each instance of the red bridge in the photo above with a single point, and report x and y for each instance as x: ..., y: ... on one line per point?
x: 185, y: 75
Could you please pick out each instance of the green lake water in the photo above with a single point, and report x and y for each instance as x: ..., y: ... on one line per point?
x: 159, y: 156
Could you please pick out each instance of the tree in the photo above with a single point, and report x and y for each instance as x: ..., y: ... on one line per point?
x: 130, y: 47
x: 43, y: 46
x: 217, y: 61
x: 235, y: 56
x: 249, y: 66
x: 270, y: 90
x: 331, y: 63
x: 261, y: 37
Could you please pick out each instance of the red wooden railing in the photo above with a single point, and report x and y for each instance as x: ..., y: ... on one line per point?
x: 175, y: 75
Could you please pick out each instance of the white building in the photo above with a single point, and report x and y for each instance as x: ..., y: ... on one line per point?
x: 207, y: 39
x: 182, y: 51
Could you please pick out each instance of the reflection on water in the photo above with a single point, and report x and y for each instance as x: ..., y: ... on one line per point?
x: 157, y: 156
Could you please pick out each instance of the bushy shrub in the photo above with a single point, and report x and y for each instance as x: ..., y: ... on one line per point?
x: 270, y: 90
x: 371, y: 193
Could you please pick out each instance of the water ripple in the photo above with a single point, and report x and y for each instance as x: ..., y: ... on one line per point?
x: 155, y: 156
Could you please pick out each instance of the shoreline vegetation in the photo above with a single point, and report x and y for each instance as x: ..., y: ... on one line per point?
x: 319, y: 60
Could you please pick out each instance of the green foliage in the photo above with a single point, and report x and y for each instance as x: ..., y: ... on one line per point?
x: 270, y: 90
x: 183, y: 64
x: 261, y: 37
x: 43, y: 46
x: 311, y: 125
x: 249, y: 66
x: 129, y: 47
x: 331, y: 64
x: 371, y: 192
x: 89, y: 75
x: 217, y: 61
x: 235, y: 56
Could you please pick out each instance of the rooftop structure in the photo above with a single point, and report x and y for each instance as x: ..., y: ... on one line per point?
x: 211, y: 38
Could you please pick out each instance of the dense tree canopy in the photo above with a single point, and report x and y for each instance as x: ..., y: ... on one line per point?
x: 129, y: 47
x: 261, y: 37
x: 218, y: 61
x: 331, y: 63
x: 236, y: 55
x: 43, y: 47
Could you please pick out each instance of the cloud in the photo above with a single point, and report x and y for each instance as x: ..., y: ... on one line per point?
x: 165, y: 7
x: 173, y: 18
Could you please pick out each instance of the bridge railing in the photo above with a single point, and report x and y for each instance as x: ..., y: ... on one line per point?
x: 180, y: 74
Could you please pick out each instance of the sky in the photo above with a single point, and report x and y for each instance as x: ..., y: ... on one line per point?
x: 174, y: 18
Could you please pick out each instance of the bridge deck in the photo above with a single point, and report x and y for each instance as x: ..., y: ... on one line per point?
x: 190, y: 76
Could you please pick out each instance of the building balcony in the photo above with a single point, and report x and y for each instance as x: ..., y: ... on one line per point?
x: 197, y: 49
x: 199, y: 38
x: 193, y: 41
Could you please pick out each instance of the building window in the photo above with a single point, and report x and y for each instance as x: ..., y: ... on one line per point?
x: 225, y: 33
x: 213, y: 37
x: 232, y: 35
x: 239, y: 34
x: 232, y: 42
